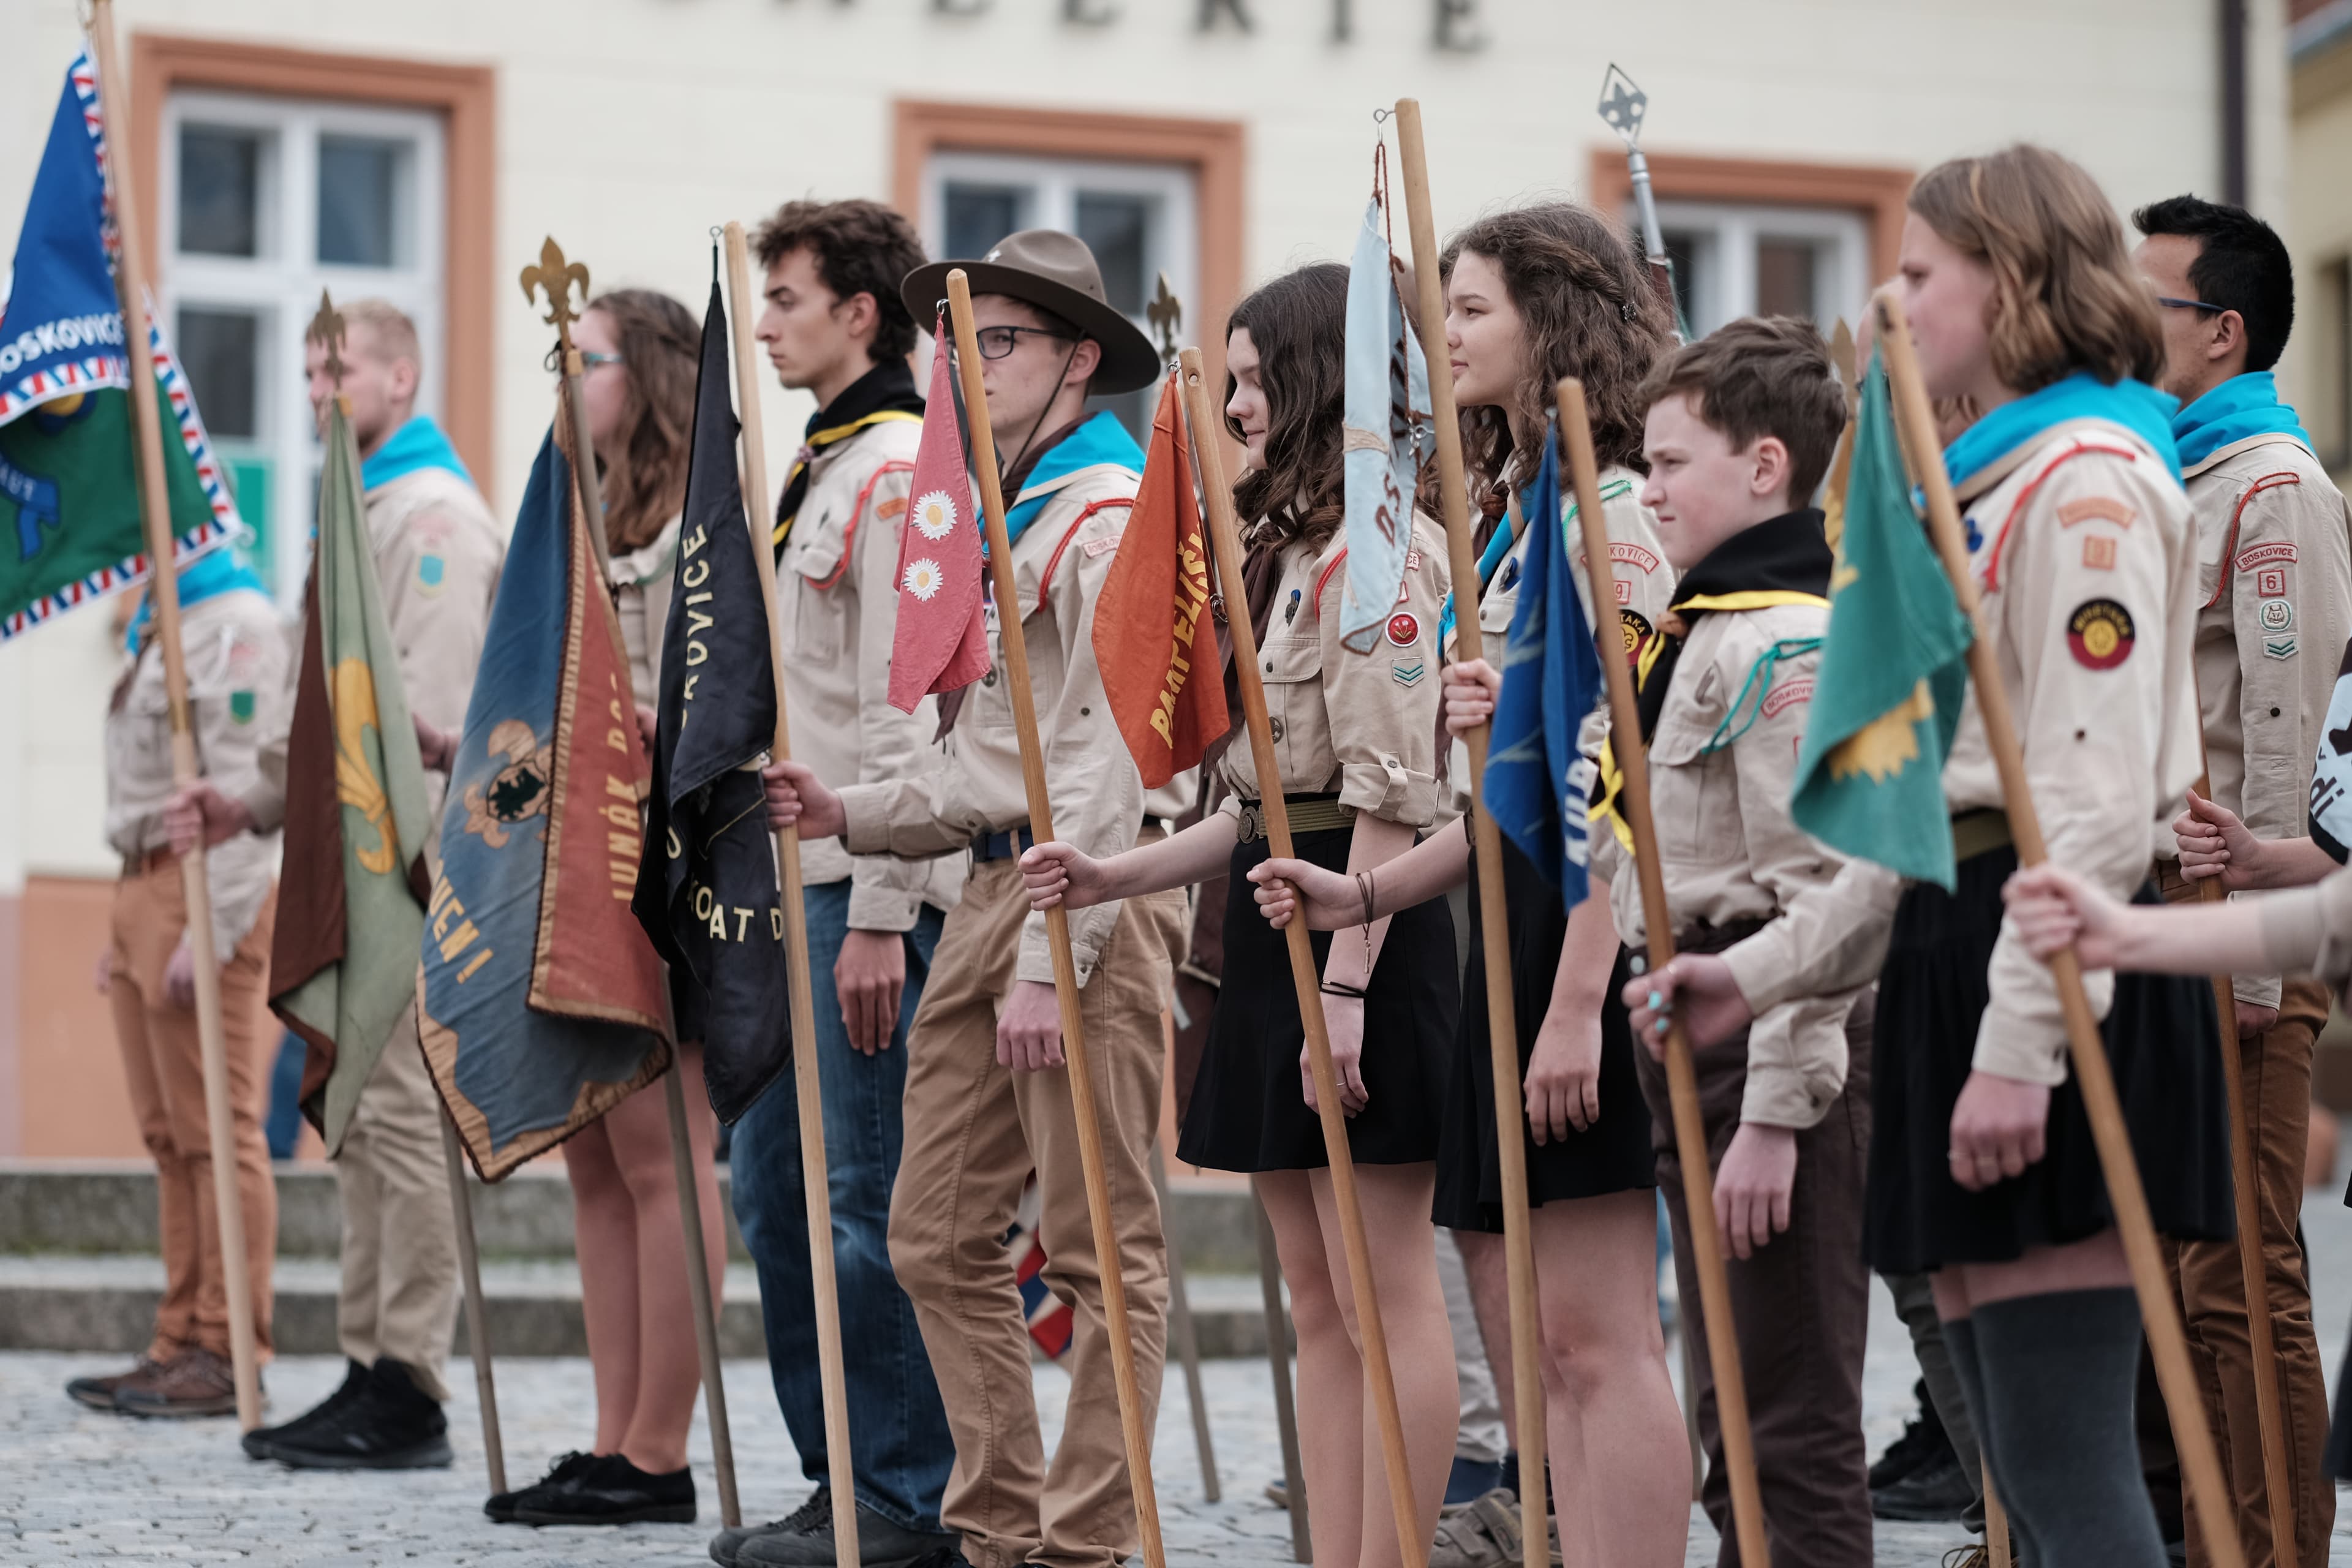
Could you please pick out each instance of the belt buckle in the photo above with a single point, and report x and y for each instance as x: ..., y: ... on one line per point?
x: 1253, y: 823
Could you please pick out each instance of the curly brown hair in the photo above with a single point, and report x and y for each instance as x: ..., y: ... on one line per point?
x: 1591, y: 312
x: 2065, y: 296
x: 859, y: 248
x: 1299, y: 324
x: 644, y: 481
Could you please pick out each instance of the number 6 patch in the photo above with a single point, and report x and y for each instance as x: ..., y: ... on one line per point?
x: 2100, y: 634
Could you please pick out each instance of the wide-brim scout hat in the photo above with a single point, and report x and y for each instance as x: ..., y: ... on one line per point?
x: 1053, y: 272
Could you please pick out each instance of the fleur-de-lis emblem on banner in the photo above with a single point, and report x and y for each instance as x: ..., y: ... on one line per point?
x: 556, y: 276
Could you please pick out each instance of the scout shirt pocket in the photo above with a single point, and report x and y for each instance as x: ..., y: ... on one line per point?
x: 1697, y: 816
x: 816, y: 617
x: 1292, y: 668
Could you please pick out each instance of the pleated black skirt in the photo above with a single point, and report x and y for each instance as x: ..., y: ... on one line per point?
x: 1612, y: 1155
x: 2167, y: 1062
x: 1248, y: 1111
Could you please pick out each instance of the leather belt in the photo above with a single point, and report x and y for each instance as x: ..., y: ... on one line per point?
x: 1980, y: 832
x: 1307, y: 814
x: 1009, y: 845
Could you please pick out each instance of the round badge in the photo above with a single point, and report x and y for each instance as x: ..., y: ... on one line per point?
x: 1404, y: 630
x: 1637, y: 632
x: 2276, y: 614
x: 2099, y: 634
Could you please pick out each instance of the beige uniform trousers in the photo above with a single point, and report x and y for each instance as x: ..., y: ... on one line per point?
x: 164, y: 1067
x: 975, y: 1130
x: 399, y: 1294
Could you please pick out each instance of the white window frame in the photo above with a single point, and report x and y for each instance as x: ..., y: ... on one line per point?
x: 1724, y: 257
x: 282, y: 282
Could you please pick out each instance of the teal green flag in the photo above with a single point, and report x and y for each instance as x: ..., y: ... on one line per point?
x: 1893, y: 671
x: 350, y: 902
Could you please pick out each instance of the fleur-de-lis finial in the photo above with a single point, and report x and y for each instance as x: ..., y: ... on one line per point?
x: 1842, y: 354
x: 327, y: 328
x: 1166, y: 315
x: 556, y: 276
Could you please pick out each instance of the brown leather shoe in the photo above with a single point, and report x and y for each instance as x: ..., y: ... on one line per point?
x: 194, y: 1382
x: 99, y: 1393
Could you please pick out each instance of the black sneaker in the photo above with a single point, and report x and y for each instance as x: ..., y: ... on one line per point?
x: 1922, y: 1441
x: 262, y: 1441
x: 390, y: 1424
x: 611, y: 1490
x: 501, y: 1505
x: 815, y: 1511
x: 1937, y: 1491
x: 880, y: 1543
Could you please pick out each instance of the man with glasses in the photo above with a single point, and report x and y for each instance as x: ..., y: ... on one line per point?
x: 986, y: 1101
x: 2275, y: 590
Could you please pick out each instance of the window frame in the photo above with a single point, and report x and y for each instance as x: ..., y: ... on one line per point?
x: 1734, y: 229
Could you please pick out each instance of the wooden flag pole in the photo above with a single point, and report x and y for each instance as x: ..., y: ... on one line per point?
x: 1681, y: 1077
x: 1494, y: 915
x: 2199, y: 1461
x: 1187, y: 1340
x: 164, y: 595
x: 1108, y: 1264
x: 478, y: 1326
x: 1277, y: 1355
x: 1996, y: 1525
x: 832, y: 1377
x: 1225, y: 545
x: 557, y: 277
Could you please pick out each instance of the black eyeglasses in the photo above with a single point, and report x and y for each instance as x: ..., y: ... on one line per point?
x: 2190, y: 305
x: 996, y: 342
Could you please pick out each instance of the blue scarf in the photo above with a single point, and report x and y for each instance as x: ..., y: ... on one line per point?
x: 1101, y: 439
x: 419, y: 444
x: 215, y: 573
x: 2133, y: 405
x: 2241, y: 406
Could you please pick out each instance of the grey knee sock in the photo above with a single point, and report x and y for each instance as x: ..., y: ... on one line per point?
x: 2057, y: 1374
x: 1960, y: 1347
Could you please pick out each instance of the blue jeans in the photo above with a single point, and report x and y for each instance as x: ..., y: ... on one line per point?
x: 898, y: 1435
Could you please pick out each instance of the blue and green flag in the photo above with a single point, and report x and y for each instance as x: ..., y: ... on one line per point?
x: 1870, y: 775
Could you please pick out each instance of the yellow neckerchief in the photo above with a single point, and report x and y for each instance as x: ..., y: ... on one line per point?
x: 817, y: 443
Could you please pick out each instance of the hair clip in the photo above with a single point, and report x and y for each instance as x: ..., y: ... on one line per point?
x: 1625, y: 308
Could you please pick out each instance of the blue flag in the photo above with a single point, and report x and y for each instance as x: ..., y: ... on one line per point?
x: 1536, y: 783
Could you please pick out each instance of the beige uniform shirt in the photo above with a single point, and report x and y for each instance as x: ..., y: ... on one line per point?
x: 643, y: 581
x: 2085, y: 554
x: 1362, y: 726
x: 2275, y: 592
x: 1728, y: 850
x: 2309, y: 930
x: 837, y: 611
x: 1059, y: 566
x: 239, y: 702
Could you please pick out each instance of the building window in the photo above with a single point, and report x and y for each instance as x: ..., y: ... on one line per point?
x: 265, y: 202
x: 2327, y: 397
x: 1737, y: 260
x: 1139, y: 219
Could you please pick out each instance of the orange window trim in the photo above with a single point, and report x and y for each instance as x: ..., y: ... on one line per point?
x: 466, y: 99
x: 1876, y: 193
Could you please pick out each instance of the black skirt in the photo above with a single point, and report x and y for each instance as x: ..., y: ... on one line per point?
x: 1612, y: 1155
x: 2167, y: 1058
x: 1248, y: 1111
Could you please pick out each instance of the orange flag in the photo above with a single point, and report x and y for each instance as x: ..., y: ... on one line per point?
x: 1157, y: 655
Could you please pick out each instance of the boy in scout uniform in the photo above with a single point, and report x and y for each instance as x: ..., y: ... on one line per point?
x: 237, y: 694
x: 1740, y: 431
x: 2274, y: 563
x: 985, y: 1101
x: 438, y: 553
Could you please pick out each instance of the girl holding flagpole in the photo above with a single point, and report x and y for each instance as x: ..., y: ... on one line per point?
x: 1534, y: 294
x: 1355, y: 729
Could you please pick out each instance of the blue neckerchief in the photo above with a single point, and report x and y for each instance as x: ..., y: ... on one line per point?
x: 214, y: 573
x: 1101, y: 439
x: 419, y: 444
x: 2133, y: 405
x: 2241, y: 406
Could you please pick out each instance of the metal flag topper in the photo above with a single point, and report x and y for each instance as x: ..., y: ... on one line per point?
x: 556, y: 276
x: 1166, y: 315
x: 326, y: 329
x: 1623, y: 107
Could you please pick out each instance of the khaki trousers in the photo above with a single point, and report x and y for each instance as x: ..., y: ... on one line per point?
x: 974, y: 1131
x: 163, y: 1067
x: 399, y: 1294
x: 2274, y: 1078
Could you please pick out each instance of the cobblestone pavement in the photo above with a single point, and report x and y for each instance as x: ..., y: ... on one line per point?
x: 79, y: 1487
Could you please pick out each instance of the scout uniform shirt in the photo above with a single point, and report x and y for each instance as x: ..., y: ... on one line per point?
x: 837, y: 609
x: 2085, y: 554
x: 2275, y: 592
x: 1723, y: 762
x: 1360, y: 723
x: 1059, y: 566
x: 2309, y: 930
x: 641, y: 582
x: 240, y: 699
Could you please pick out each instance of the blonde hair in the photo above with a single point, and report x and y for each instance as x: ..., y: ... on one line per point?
x: 2065, y: 296
x: 395, y: 333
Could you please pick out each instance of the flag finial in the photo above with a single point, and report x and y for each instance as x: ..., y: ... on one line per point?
x: 556, y: 276
x: 1166, y: 315
x: 326, y: 329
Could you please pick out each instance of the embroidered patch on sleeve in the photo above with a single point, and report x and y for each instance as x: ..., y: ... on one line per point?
x: 2271, y: 582
x: 2098, y: 553
x: 2278, y: 648
x: 889, y: 507
x: 432, y: 573
x: 1637, y: 631
x: 2099, y: 634
x: 1408, y: 672
x: 2106, y: 508
x: 1404, y: 630
x: 1093, y: 547
x: 1786, y: 695
x: 2275, y: 615
x: 1632, y: 555
x: 240, y: 706
x: 2277, y: 552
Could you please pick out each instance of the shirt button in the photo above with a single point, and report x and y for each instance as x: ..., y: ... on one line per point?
x: 2275, y: 713
x: 1276, y: 726
x: 989, y: 680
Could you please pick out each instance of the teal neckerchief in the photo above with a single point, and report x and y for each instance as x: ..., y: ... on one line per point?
x: 419, y: 444
x: 2241, y: 406
x: 1101, y: 439
x: 2133, y: 405
x: 209, y: 575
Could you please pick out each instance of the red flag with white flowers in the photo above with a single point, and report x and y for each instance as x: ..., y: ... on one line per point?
x: 941, y: 640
